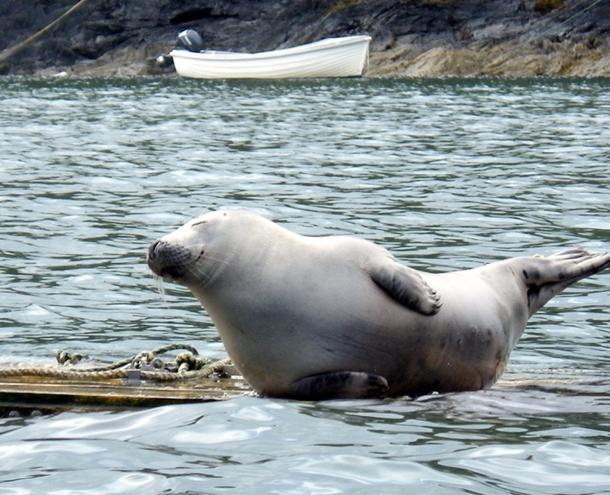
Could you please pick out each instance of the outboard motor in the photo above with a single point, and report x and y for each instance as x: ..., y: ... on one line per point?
x: 190, y: 40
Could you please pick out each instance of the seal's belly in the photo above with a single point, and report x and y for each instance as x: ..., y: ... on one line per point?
x: 283, y: 332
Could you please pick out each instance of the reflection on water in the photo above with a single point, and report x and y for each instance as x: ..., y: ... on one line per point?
x: 446, y: 174
x: 436, y: 445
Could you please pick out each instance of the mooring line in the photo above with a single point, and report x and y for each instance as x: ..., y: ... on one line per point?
x: 572, y: 17
x: 144, y: 365
x: 9, y: 52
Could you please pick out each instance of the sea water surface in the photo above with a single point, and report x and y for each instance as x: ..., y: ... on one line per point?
x: 447, y: 174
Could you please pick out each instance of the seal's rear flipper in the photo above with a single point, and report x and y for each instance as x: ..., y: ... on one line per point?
x: 547, y: 276
x: 340, y: 385
x: 404, y: 285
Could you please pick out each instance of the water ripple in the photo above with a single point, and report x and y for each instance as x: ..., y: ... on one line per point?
x: 447, y: 174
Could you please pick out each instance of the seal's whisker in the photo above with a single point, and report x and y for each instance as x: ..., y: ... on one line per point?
x: 216, y: 259
x: 198, y: 272
x: 193, y: 246
x: 159, y: 283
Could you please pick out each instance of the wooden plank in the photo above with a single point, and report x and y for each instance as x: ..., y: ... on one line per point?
x: 29, y: 393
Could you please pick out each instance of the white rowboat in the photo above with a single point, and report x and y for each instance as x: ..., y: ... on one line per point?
x: 332, y: 57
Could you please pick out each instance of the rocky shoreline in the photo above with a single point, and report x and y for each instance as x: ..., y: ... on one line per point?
x: 411, y: 38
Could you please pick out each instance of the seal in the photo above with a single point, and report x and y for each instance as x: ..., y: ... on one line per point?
x: 340, y: 317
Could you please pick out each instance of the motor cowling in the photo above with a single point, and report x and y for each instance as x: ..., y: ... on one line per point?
x: 190, y: 40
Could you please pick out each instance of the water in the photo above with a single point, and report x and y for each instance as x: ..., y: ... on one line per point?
x: 446, y: 174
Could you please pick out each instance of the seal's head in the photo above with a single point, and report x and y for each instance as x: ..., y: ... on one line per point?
x: 196, y: 253
x: 181, y: 255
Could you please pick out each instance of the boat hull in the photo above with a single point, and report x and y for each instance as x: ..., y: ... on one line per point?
x: 333, y: 57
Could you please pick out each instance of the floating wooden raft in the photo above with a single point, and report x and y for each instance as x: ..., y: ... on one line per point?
x: 49, y: 395
x: 120, y: 385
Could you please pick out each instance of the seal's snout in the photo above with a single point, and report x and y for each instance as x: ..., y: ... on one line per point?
x: 153, y: 258
x: 167, y: 260
x: 151, y: 250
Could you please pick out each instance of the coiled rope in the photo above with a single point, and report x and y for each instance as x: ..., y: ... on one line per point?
x: 146, y: 365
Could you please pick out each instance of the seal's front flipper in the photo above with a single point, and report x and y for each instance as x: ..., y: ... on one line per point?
x: 340, y: 385
x: 404, y: 285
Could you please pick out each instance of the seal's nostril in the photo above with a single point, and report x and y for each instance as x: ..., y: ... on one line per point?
x: 152, y: 248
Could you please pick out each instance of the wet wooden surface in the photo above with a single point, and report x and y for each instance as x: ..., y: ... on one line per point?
x: 27, y: 393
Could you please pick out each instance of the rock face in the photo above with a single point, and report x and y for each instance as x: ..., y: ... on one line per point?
x: 410, y: 37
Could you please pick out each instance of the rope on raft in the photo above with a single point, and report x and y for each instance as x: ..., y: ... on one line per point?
x: 146, y: 365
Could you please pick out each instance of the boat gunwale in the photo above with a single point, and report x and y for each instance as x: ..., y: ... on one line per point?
x: 321, y: 45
